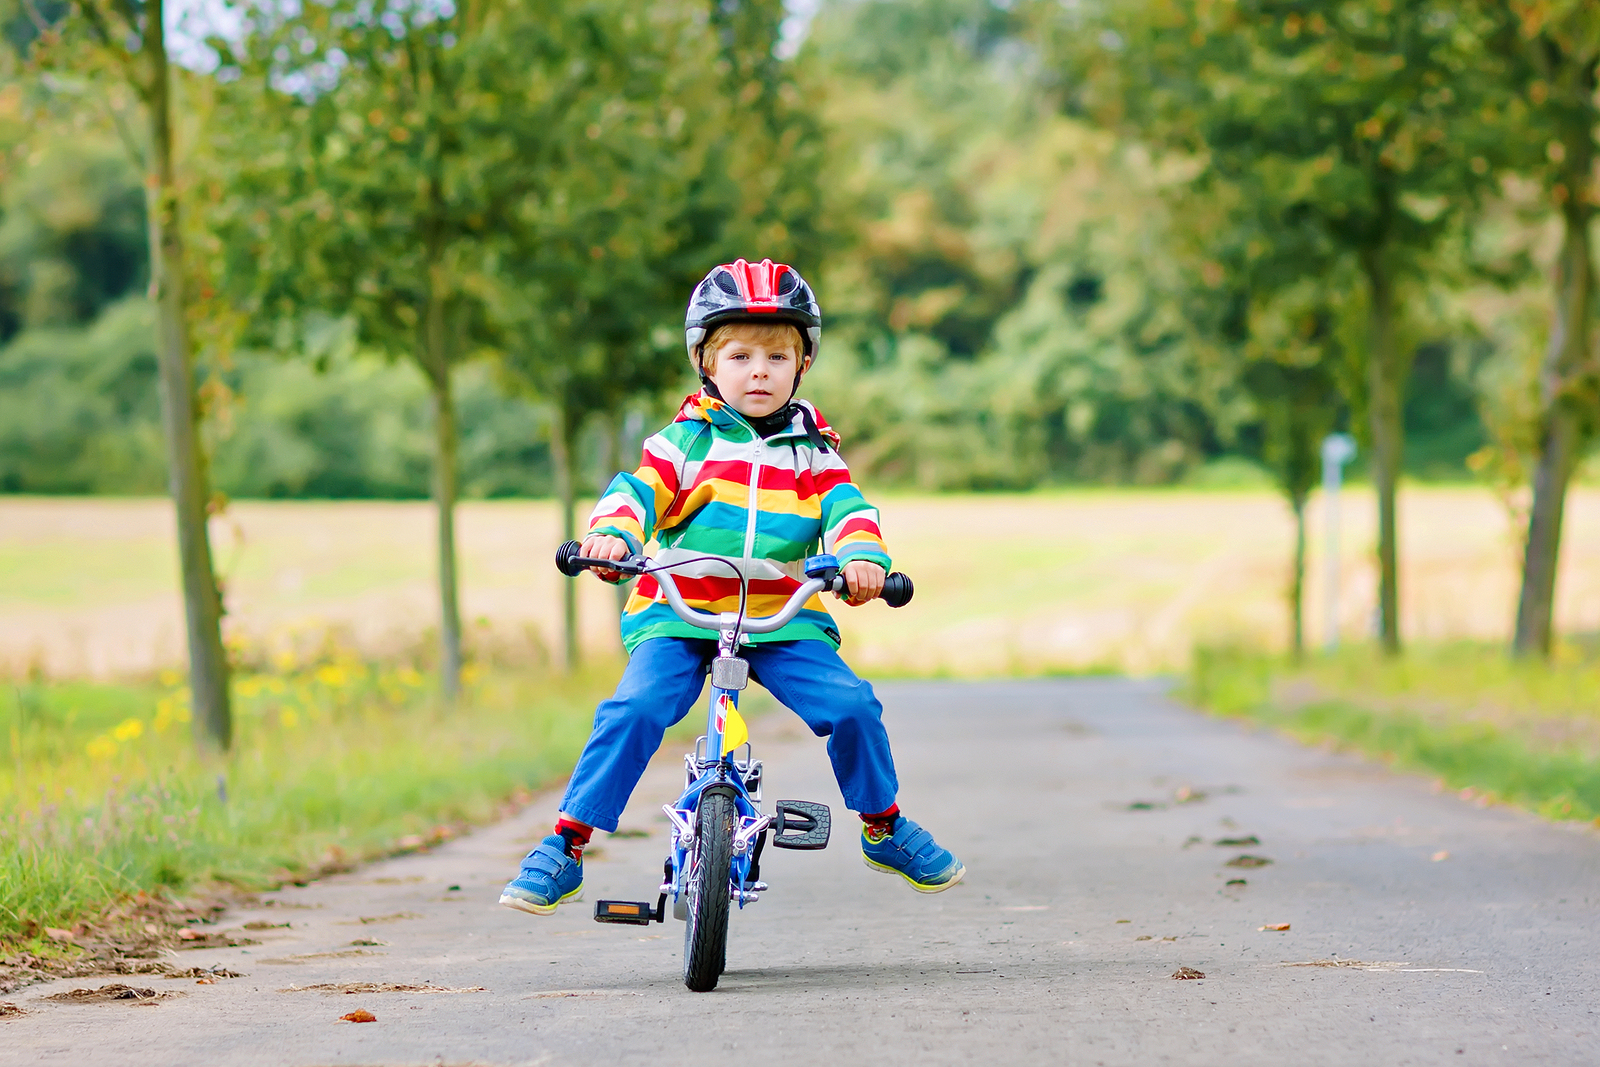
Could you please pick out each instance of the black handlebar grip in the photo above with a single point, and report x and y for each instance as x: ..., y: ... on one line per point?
x: 569, y: 551
x: 897, y: 590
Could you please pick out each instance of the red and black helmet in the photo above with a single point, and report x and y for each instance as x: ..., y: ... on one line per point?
x: 752, y: 292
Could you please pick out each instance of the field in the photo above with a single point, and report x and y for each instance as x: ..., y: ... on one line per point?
x: 1061, y: 581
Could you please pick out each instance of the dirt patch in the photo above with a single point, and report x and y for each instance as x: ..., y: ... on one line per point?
x: 368, y: 920
x: 307, y: 957
x: 378, y: 987
x: 113, y: 993
x: 1185, y: 974
x: 9, y: 1010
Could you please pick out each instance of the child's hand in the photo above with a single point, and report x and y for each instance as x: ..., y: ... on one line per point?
x: 604, y: 546
x: 865, y: 580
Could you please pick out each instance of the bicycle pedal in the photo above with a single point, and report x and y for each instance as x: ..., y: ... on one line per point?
x: 801, y: 824
x: 626, y: 912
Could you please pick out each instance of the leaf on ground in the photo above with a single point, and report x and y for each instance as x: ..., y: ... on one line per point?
x: 205, y: 973
x: 1186, y: 973
x: 1249, y: 841
x: 1236, y: 881
x: 1145, y: 805
x: 109, y: 993
x: 367, y: 942
x: 1248, y: 861
x: 259, y: 925
x: 8, y: 1009
x: 360, y: 1015
x: 1144, y: 937
x: 1274, y: 926
x: 1185, y: 795
x: 368, y: 920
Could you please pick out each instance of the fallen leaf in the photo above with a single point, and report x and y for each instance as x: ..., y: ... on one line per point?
x: 1144, y: 805
x: 190, y: 935
x: 1185, y: 973
x: 1440, y: 856
x: 360, y: 1015
x: 1274, y: 926
x: 259, y: 925
x: 205, y: 981
x: 1236, y: 881
x: 1248, y: 861
x: 152, y: 929
x: 1169, y: 939
x: 368, y: 920
x: 1249, y: 841
x: 1144, y: 937
x: 8, y: 1009
x: 1124, y: 920
x: 1184, y: 795
x: 367, y: 942
x: 452, y: 889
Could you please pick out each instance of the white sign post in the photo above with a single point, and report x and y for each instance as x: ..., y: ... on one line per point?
x: 1337, y: 450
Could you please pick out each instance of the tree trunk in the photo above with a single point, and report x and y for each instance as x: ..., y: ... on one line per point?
x: 1386, y: 368
x: 1564, y: 431
x: 436, y: 364
x: 561, y: 449
x: 186, y: 465
x: 1297, y: 581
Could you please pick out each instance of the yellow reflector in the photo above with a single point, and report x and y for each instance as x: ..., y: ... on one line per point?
x: 734, y: 732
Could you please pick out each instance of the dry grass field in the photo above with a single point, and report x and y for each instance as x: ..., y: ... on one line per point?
x: 1071, y: 580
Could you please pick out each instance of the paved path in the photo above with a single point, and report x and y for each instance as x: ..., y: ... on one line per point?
x: 1487, y: 956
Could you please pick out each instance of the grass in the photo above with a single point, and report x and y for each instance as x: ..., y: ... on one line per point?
x: 1497, y: 730
x: 335, y: 762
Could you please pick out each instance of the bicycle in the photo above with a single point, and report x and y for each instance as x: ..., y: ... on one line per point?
x: 718, y: 830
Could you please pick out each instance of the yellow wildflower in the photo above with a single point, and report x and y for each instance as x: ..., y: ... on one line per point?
x: 101, y: 748
x: 170, y: 678
x: 288, y: 719
x: 332, y: 677
x: 247, y: 688
x: 128, y: 729
x: 409, y: 676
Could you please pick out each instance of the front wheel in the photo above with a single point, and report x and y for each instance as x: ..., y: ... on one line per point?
x: 705, y: 934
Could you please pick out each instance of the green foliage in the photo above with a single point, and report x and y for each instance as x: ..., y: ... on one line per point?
x: 1511, y: 732
x: 335, y: 764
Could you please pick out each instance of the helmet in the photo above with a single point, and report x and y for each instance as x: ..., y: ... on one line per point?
x: 746, y: 292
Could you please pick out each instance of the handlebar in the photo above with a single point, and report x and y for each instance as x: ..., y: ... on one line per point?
x: 897, y: 590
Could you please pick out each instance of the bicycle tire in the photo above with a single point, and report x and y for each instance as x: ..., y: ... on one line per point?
x: 705, y: 934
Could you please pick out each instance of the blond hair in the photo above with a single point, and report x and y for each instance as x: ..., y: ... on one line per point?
x: 770, y: 334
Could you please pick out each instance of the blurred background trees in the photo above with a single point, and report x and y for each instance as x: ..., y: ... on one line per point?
x: 441, y: 251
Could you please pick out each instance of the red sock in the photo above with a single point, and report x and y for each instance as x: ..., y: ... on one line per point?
x: 881, y: 825
x: 575, y: 834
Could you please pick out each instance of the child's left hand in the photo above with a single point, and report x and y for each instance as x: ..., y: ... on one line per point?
x: 865, y: 581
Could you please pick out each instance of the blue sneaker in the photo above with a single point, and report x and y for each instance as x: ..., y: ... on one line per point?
x: 548, y: 877
x: 913, y: 854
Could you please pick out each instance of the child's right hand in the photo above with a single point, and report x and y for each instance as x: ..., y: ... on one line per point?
x: 604, y: 546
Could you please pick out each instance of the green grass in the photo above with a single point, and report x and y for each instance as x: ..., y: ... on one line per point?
x: 1511, y: 732
x: 104, y: 796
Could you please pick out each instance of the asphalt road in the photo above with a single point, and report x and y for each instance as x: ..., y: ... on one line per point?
x: 1086, y: 812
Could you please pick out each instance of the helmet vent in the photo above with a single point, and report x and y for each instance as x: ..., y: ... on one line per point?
x: 726, y: 283
x: 787, y: 283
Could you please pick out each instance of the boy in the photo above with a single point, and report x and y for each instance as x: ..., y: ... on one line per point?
x: 748, y: 474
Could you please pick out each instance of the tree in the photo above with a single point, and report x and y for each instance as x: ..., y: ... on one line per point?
x: 125, y: 42
x: 1359, y: 117
x: 1552, y: 54
x: 361, y: 188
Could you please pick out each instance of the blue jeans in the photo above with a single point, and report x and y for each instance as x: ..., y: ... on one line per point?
x: 665, y: 676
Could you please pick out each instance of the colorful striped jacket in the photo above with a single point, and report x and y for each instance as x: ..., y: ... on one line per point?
x: 710, y: 485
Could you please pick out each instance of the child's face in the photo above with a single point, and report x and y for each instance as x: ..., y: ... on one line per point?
x: 756, y: 378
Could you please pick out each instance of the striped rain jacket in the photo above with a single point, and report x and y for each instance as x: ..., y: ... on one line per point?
x: 709, y: 485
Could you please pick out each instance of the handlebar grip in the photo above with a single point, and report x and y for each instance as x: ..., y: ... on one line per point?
x: 897, y: 590
x: 566, y: 557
